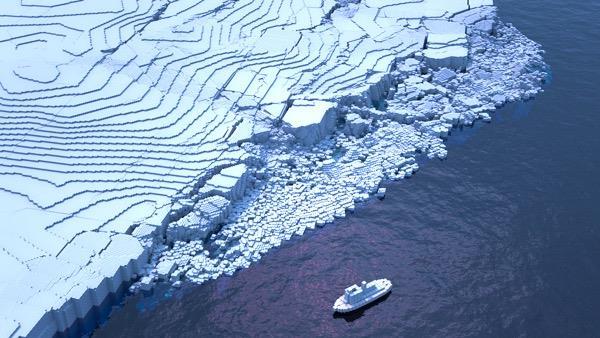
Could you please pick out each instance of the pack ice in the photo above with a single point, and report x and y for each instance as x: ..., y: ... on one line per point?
x: 146, y: 140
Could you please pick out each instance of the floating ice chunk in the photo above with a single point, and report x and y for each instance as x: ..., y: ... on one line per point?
x: 230, y: 182
x: 485, y: 26
x: 446, y: 44
x: 498, y: 99
x: 310, y: 121
x: 455, y: 57
x: 470, y: 102
x: 146, y: 283
x: 204, y: 218
x: 356, y: 125
x: 452, y: 118
x: 165, y: 268
x: 443, y: 75
x: 485, y: 117
x: 426, y: 87
x: 380, y: 193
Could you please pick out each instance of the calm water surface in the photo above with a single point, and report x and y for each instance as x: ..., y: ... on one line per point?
x: 501, y: 239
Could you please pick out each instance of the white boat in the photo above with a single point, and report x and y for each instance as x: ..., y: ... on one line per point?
x: 356, y: 296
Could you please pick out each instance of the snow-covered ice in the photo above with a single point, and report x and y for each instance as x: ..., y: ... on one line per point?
x: 145, y: 140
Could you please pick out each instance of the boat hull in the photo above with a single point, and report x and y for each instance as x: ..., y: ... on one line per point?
x: 342, y: 306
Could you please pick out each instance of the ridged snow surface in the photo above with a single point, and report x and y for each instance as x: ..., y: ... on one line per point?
x: 145, y: 140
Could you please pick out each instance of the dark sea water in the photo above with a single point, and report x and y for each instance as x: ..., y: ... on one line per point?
x: 502, y: 239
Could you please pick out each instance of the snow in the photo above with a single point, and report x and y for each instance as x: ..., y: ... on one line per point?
x: 181, y: 140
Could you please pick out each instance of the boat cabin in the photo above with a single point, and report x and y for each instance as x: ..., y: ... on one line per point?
x: 355, y: 293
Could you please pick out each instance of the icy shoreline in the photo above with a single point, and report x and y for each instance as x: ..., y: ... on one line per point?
x: 303, y: 187
x: 305, y: 159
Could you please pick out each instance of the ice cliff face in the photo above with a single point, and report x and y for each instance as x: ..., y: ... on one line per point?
x: 181, y: 140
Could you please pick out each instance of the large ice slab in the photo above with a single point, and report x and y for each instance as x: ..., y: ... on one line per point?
x: 310, y: 121
x: 158, y: 139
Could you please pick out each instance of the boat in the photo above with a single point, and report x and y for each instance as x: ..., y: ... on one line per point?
x: 355, y: 296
